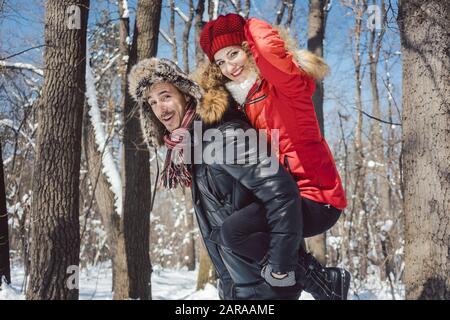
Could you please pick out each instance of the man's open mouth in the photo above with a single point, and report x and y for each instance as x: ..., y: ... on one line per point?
x: 167, y: 118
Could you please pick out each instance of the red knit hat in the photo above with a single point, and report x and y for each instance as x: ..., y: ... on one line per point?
x: 225, y: 31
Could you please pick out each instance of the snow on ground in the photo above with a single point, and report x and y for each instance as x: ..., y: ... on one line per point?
x: 169, y: 284
x: 10, y: 293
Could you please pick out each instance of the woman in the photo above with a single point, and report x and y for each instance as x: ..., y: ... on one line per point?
x: 273, y: 87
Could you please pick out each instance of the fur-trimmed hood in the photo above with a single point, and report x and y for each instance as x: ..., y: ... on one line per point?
x: 216, y: 99
x: 148, y: 72
x: 154, y: 70
x: 210, y: 106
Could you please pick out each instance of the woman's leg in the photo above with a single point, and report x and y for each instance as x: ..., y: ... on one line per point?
x: 318, y: 217
x: 246, y: 231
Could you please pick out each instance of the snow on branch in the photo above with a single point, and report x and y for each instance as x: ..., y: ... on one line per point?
x: 126, y: 13
x: 235, y: 5
x: 24, y: 66
x: 110, y: 63
x: 216, y: 9
x: 166, y: 37
x: 181, y: 14
x: 109, y: 167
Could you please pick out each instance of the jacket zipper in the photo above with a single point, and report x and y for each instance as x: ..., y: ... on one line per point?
x: 250, y: 95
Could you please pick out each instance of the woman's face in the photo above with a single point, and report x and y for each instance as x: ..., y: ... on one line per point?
x: 233, y: 62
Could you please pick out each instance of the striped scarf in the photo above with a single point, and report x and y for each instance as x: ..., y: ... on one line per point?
x: 175, y: 171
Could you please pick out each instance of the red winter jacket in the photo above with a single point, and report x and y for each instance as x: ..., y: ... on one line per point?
x: 283, y: 100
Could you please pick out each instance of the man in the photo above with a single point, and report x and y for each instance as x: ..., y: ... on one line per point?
x: 169, y: 102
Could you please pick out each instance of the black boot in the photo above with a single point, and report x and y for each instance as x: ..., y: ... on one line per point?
x: 321, y: 282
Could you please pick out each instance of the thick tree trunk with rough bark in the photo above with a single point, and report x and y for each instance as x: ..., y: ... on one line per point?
x: 136, y: 166
x: 424, y: 27
x: 55, y: 234
x: 5, y: 269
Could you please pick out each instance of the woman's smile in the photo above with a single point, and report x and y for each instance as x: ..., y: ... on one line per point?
x: 237, y: 72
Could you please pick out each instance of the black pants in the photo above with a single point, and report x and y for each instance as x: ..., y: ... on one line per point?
x: 246, y: 231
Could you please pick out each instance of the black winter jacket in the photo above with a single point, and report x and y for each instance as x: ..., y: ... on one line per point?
x: 219, y: 189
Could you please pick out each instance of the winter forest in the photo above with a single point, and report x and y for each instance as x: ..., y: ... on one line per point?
x: 83, y: 214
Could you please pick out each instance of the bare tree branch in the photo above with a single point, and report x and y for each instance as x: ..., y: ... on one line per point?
x: 23, y: 51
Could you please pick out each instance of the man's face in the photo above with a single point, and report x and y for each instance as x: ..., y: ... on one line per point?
x: 168, y: 104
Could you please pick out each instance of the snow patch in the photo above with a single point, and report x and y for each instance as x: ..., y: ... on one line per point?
x: 387, y: 225
x: 9, y: 293
x: 126, y: 13
x: 180, y: 284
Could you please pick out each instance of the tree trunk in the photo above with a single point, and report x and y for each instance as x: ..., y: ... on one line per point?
x: 188, y: 253
x: 280, y: 13
x: 380, y: 184
x: 316, y: 34
x: 247, y: 9
x: 136, y: 166
x: 187, y: 29
x: 237, y: 6
x: 290, y: 14
x: 424, y: 29
x: 206, y: 272
x: 213, y: 9
x: 5, y: 269
x: 358, y: 202
x: 289, y: 6
x: 55, y: 234
x: 376, y: 129
x: 124, y: 34
x: 105, y: 201
x: 199, y: 55
x: 172, y: 31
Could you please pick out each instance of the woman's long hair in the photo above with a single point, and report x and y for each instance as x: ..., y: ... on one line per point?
x: 209, y: 76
